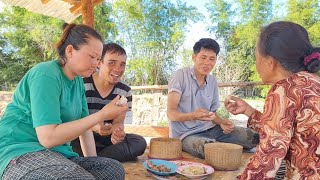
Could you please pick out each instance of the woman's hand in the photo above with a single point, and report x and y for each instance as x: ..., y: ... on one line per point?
x: 236, y: 106
x: 112, y: 110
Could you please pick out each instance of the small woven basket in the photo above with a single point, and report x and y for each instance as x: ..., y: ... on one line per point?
x: 165, y: 148
x: 223, y: 156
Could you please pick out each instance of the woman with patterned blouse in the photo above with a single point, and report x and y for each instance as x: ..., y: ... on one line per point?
x: 289, y: 126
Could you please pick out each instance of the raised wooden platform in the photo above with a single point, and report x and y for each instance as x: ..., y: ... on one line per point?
x: 147, y: 131
x: 136, y: 171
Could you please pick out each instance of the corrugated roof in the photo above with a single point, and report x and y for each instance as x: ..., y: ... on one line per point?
x: 54, y: 8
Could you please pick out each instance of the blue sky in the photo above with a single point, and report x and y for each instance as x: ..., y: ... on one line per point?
x: 197, y: 30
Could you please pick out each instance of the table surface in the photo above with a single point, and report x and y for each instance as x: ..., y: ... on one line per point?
x: 135, y: 170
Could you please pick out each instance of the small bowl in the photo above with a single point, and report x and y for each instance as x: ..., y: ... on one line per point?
x: 172, y: 166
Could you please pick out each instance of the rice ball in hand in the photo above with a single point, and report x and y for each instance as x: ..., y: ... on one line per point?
x: 229, y: 100
x: 122, y: 101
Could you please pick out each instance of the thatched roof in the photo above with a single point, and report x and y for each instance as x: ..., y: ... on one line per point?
x: 67, y: 10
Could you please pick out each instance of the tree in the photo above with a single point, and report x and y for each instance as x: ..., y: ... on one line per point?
x: 221, y: 16
x: 186, y: 57
x: 238, y: 23
x: 29, y: 38
x: 103, y: 22
x: 306, y: 14
x: 153, y: 31
x: 11, y: 71
x: 30, y: 35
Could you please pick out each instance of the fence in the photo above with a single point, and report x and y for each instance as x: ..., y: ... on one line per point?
x: 150, y: 102
x: 221, y: 84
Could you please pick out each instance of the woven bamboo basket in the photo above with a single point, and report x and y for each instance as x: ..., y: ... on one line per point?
x: 223, y: 156
x: 165, y: 148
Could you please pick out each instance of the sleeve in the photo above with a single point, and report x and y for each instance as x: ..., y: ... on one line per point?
x: 45, y: 100
x: 215, y: 102
x: 129, y: 98
x: 176, y: 82
x: 129, y: 115
x: 275, y: 136
x: 254, y: 121
x: 85, y: 110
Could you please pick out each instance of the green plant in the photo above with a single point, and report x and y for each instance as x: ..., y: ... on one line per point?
x: 223, y: 113
x: 163, y: 122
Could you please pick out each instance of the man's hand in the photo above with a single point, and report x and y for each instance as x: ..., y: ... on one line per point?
x: 227, y: 126
x: 203, y: 114
x: 118, y: 136
x: 104, y: 129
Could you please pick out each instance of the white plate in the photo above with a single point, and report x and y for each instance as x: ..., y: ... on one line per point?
x: 172, y: 177
x: 209, y: 170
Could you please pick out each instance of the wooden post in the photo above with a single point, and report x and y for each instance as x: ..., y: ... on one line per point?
x: 87, y: 13
x: 45, y: 1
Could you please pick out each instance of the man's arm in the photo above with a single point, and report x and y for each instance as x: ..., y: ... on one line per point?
x: 172, y: 108
x: 118, y: 122
x: 175, y: 115
x: 118, y: 133
x: 217, y: 120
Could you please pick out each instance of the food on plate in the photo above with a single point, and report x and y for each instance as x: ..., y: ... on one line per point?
x: 180, y: 163
x: 122, y: 101
x: 193, y: 170
x: 160, y: 168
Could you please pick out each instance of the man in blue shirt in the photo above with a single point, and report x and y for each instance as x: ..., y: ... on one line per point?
x: 193, y: 99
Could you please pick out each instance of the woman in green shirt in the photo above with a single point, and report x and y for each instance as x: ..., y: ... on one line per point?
x: 49, y: 110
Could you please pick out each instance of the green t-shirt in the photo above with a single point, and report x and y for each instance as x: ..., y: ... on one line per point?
x: 44, y: 96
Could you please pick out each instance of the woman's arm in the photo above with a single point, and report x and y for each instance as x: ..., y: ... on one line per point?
x: 53, y: 135
x: 275, y: 136
x: 88, y: 144
x: 254, y: 121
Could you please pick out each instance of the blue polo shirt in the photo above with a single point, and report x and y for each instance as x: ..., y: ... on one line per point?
x: 193, y: 97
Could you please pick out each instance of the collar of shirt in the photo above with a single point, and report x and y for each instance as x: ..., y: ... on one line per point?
x: 196, y: 81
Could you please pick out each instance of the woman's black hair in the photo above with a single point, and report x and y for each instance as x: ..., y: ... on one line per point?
x: 75, y: 35
x: 289, y: 44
